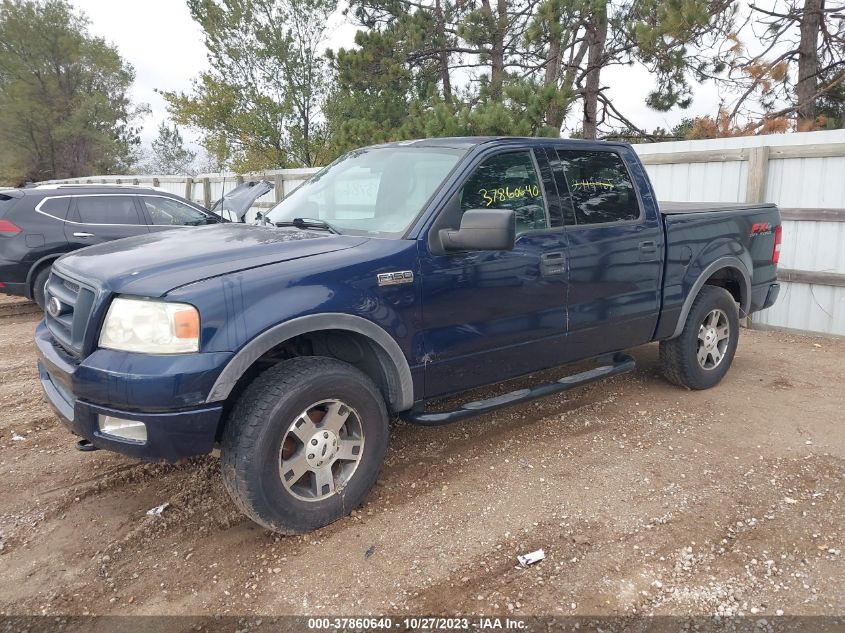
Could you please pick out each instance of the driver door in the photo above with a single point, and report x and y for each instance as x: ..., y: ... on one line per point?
x: 491, y: 315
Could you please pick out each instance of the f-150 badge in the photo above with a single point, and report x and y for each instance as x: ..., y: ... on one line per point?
x: 391, y: 279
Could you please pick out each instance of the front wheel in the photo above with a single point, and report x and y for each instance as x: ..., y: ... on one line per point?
x: 304, y: 444
x: 700, y: 357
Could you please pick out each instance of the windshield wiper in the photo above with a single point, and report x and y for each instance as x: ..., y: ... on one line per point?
x: 309, y: 223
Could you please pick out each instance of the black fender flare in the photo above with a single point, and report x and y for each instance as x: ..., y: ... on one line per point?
x: 393, y: 362
x: 733, y: 263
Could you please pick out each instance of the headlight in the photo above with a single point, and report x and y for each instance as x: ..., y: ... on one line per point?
x: 151, y: 327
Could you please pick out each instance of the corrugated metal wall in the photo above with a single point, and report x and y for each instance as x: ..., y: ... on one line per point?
x: 791, y: 183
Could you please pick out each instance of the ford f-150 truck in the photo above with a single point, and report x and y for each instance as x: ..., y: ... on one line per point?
x: 399, y: 274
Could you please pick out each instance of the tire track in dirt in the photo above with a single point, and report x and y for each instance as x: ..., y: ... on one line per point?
x: 630, y: 462
x: 18, y: 309
x: 199, y: 504
x: 594, y: 565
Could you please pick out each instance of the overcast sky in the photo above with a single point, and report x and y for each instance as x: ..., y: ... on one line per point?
x: 163, y: 43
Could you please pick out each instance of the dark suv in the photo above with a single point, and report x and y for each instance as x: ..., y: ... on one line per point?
x: 39, y: 224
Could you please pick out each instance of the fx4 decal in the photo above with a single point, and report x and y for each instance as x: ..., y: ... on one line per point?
x: 760, y: 228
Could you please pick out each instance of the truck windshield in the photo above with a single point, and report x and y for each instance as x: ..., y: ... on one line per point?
x: 372, y: 191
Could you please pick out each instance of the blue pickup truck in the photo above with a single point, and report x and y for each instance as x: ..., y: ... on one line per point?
x: 399, y: 274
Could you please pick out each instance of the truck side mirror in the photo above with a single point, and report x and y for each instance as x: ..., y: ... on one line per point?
x: 482, y: 230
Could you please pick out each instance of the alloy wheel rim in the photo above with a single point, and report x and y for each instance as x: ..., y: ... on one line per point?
x: 714, y: 335
x: 321, y: 450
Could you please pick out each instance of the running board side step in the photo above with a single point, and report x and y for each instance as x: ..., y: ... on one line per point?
x: 621, y: 363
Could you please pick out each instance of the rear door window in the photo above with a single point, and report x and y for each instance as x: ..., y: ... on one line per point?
x: 106, y: 210
x: 600, y: 186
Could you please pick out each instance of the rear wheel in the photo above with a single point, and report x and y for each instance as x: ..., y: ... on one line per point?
x: 304, y: 444
x: 701, y: 356
x: 39, y: 285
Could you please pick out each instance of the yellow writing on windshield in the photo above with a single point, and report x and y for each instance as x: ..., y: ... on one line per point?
x: 502, y: 194
x: 592, y: 184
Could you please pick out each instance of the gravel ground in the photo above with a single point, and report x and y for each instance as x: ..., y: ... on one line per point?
x: 646, y: 498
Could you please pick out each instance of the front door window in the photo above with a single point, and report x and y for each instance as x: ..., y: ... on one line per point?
x: 508, y: 181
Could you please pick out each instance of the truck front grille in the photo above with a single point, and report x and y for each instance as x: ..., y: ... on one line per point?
x: 68, y: 307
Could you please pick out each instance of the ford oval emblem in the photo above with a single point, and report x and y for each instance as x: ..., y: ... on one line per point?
x: 54, y: 307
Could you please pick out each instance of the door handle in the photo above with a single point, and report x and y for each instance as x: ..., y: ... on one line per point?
x: 83, y: 234
x: 648, y: 251
x: 553, y: 263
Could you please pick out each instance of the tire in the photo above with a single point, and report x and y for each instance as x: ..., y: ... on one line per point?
x: 277, y: 417
x: 38, y: 284
x: 681, y: 358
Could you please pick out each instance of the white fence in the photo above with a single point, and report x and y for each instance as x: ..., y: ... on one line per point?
x: 803, y: 173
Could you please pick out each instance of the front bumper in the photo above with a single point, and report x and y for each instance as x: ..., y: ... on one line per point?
x: 166, y: 393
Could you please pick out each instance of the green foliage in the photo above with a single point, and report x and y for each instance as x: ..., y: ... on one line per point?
x: 259, y: 104
x: 391, y: 85
x: 831, y: 105
x: 422, y: 68
x: 64, y: 107
x: 664, y: 32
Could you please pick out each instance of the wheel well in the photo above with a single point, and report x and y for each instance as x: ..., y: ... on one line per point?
x: 350, y: 347
x: 34, y: 272
x: 731, y: 280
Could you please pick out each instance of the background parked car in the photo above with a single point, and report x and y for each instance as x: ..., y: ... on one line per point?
x: 40, y: 224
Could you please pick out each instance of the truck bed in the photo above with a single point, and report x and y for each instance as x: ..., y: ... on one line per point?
x: 674, y: 208
x: 741, y: 233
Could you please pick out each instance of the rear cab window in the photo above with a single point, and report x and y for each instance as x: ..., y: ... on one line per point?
x: 600, y: 188
x: 118, y: 210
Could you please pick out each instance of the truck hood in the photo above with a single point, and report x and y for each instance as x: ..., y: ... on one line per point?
x: 153, y: 265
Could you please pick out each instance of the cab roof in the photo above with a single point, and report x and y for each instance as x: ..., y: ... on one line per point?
x: 469, y: 142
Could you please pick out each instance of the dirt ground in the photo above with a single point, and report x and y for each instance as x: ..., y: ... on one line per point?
x: 646, y: 498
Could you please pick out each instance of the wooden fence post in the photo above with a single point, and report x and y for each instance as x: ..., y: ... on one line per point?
x: 758, y: 170
x: 206, y: 193
x: 156, y: 182
x: 278, y: 187
x: 755, y: 187
x: 189, y: 188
